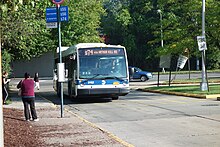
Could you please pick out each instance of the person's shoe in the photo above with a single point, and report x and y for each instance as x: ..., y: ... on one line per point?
x: 28, y: 120
x: 36, y: 119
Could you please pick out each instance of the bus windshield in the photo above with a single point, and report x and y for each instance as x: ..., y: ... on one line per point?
x: 97, y: 63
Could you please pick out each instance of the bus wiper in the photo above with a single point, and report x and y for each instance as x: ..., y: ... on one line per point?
x: 96, y: 75
x: 114, y: 77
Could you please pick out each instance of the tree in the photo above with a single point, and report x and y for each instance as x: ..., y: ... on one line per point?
x: 84, y: 22
x: 27, y: 36
x: 182, y: 23
x: 24, y: 32
x: 136, y: 25
x: 128, y: 23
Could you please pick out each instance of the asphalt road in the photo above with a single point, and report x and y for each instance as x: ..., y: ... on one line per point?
x: 148, y: 119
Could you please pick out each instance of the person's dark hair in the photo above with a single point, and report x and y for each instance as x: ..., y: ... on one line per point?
x: 26, y: 75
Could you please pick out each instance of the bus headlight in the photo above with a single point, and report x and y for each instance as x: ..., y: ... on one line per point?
x: 82, y: 85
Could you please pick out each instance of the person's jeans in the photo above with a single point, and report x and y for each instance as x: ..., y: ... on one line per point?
x: 31, y: 102
x: 4, y: 94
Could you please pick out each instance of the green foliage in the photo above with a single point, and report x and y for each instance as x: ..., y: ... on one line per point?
x: 23, y: 29
x: 182, y: 22
x: 137, y: 25
x: 133, y: 23
x: 195, y: 89
x: 6, y: 60
x: 84, y: 21
x: 24, y: 32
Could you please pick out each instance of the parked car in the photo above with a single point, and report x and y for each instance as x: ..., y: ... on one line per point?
x: 137, y: 73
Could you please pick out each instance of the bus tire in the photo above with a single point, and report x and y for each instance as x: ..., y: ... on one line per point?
x: 115, y: 97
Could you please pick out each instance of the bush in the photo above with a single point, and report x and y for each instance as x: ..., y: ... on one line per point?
x: 6, y: 61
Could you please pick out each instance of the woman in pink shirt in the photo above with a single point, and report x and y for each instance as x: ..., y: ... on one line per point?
x: 28, y: 97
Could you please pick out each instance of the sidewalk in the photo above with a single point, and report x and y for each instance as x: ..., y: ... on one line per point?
x: 70, y: 130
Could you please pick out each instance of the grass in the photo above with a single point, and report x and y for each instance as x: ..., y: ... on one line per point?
x: 8, y: 101
x: 195, y: 89
x: 186, y: 71
x: 181, y: 81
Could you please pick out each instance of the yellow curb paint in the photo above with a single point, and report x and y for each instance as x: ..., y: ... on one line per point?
x: 212, y: 96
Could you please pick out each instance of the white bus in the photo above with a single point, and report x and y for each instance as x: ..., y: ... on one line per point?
x: 94, y: 70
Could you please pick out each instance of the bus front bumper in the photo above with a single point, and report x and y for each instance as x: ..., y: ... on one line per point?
x: 107, y: 92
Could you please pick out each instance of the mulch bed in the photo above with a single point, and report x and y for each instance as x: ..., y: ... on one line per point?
x: 18, y: 132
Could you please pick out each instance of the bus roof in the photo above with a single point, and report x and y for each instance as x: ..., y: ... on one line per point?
x: 88, y: 45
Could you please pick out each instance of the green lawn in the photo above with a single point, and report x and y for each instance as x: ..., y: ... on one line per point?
x: 213, y: 89
x: 210, y: 80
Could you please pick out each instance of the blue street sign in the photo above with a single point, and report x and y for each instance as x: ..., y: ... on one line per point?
x: 64, y: 13
x: 51, y: 14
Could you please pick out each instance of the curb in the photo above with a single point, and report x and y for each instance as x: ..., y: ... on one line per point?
x: 213, y: 96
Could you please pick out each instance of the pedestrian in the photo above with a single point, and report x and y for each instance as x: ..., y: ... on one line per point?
x: 36, y: 80
x: 5, y: 81
x: 28, y: 97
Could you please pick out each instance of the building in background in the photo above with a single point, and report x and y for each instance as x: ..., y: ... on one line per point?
x: 43, y: 65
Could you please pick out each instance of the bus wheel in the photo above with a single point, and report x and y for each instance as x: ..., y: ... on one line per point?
x: 115, y: 97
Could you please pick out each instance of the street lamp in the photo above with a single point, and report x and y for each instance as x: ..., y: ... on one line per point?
x: 161, y: 30
x: 161, y: 27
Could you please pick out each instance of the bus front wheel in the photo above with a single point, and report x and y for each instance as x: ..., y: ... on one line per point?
x: 115, y: 97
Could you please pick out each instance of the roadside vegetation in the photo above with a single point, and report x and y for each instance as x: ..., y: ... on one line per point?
x: 188, y: 86
x: 188, y: 89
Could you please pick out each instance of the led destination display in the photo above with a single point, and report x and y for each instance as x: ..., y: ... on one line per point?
x: 100, y: 51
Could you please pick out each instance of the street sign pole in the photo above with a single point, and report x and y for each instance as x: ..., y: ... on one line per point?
x: 203, y: 84
x: 64, y: 17
x: 60, y: 53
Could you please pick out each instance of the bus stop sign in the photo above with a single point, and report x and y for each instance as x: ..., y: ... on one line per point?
x: 57, y: 1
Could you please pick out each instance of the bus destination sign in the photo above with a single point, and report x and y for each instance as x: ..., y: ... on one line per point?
x: 98, y: 52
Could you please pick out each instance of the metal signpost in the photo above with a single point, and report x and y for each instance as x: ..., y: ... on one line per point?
x: 58, y: 14
x: 202, y: 48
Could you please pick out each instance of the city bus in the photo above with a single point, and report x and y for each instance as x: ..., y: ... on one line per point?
x: 93, y: 70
